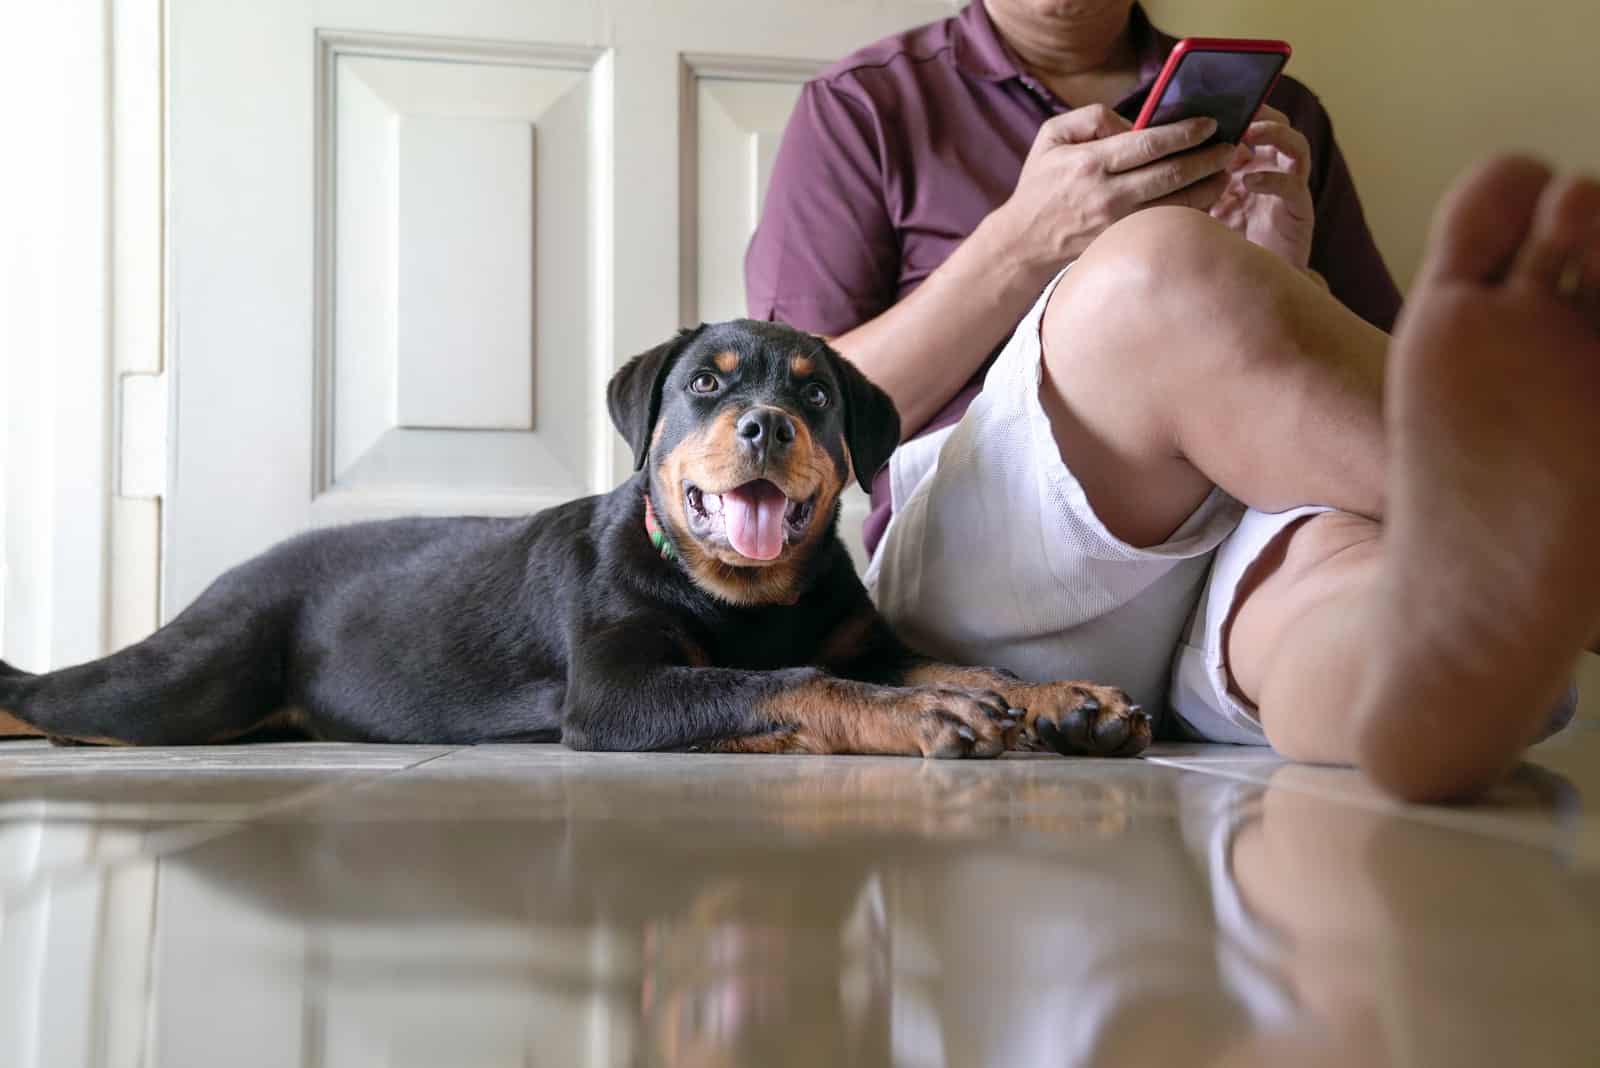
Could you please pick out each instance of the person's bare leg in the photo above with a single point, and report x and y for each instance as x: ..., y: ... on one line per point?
x: 1432, y: 654
x: 1490, y: 581
x: 1165, y: 333
x: 1298, y: 641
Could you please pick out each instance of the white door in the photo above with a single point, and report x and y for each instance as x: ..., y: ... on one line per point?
x: 411, y: 239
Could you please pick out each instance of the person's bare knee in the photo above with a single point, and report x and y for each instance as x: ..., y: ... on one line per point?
x: 1115, y: 377
x: 1245, y: 369
x: 1179, y: 267
x: 1178, y: 357
x: 1183, y: 319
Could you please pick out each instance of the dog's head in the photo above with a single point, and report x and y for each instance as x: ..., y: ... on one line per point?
x: 750, y: 432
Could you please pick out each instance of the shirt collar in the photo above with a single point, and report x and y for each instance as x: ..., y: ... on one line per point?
x: 980, y: 53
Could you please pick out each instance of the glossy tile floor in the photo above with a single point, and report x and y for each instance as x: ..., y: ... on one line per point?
x: 323, y: 905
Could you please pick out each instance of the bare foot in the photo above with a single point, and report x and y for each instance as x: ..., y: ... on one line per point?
x: 1491, y: 576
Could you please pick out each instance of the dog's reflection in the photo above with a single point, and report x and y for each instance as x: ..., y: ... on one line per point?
x: 742, y: 976
x: 989, y: 923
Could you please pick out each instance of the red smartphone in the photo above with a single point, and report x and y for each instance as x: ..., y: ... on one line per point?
x: 1223, y: 77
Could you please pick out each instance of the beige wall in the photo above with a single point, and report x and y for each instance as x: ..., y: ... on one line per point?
x: 1419, y: 88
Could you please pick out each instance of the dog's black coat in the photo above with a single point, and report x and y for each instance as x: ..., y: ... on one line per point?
x: 567, y: 624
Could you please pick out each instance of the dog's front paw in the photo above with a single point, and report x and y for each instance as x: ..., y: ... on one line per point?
x: 1079, y: 719
x: 950, y: 722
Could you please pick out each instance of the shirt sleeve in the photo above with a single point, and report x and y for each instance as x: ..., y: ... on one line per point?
x: 1342, y: 248
x: 825, y: 256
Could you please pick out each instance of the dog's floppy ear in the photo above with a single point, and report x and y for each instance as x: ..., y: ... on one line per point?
x: 634, y: 395
x: 871, y: 424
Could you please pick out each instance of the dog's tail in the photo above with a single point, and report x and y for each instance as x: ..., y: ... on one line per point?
x: 207, y: 677
x: 12, y: 682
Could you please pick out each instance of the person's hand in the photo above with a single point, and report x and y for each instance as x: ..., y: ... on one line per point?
x: 1089, y: 167
x: 1267, y: 198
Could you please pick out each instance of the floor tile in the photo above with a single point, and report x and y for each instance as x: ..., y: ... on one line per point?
x: 73, y: 810
x: 510, y: 905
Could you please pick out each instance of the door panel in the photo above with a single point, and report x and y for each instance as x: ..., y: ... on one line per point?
x: 412, y: 239
x: 738, y: 108
x: 457, y: 191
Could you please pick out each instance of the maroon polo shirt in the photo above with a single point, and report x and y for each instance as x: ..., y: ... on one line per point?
x: 895, y: 154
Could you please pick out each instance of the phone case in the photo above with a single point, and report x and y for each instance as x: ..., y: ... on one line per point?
x: 1209, y: 44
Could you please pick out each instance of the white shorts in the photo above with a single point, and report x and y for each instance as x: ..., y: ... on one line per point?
x: 994, y: 556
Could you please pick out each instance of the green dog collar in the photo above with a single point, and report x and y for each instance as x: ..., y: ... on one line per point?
x: 658, y: 537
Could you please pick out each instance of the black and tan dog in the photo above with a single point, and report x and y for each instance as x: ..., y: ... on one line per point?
x: 705, y: 603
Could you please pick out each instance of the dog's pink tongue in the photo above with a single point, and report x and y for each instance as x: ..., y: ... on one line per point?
x: 753, y: 514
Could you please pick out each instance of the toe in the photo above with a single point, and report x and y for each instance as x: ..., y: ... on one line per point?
x: 1485, y: 219
x: 1140, y: 733
x: 991, y: 744
x: 1110, y: 732
x: 951, y: 739
x: 1563, y: 229
x: 1077, y: 726
x: 1052, y: 737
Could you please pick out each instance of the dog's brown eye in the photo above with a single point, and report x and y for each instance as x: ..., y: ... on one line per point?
x: 704, y: 382
x: 816, y: 396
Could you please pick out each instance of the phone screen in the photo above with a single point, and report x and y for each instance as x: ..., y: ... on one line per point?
x: 1228, y: 86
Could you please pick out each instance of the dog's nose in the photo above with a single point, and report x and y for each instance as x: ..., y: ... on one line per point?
x: 767, y: 431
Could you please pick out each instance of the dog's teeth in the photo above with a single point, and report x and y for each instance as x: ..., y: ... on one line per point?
x: 712, y: 502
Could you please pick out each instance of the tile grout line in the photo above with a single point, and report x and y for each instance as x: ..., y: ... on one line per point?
x: 1429, y: 815
x: 180, y: 841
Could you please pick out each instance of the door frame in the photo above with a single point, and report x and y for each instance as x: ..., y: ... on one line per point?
x: 79, y: 563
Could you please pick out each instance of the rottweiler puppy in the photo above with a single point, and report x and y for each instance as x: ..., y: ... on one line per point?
x: 705, y: 603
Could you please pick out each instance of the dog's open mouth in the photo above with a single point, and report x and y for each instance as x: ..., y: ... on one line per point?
x: 756, y: 519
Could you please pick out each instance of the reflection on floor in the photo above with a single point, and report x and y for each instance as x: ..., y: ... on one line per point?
x: 327, y: 905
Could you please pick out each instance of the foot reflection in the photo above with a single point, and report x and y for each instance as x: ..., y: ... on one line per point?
x: 1400, y: 942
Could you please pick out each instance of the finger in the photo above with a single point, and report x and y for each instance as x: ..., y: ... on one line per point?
x: 1268, y: 159
x: 1201, y: 196
x: 1268, y: 113
x: 1286, y: 139
x: 1229, y: 208
x: 1092, y: 122
x: 1137, y: 148
x: 1164, y: 177
x: 1276, y: 184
